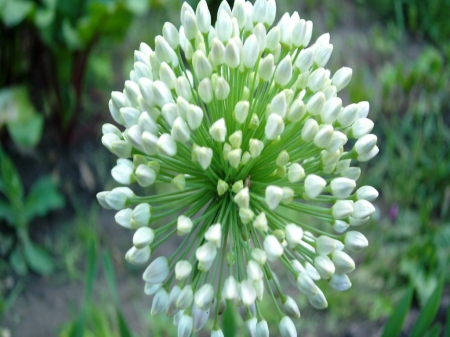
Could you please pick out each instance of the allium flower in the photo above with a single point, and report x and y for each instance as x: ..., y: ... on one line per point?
x: 244, y: 121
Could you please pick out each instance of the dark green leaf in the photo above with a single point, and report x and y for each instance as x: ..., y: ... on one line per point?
x: 91, y: 272
x: 27, y: 133
x: 12, y: 186
x: 15, y: 11
x: 110, y: 277
x: 428, y: 312
x: 71, y: 36
x: 44, y: 17
x: 123, y: 326
x: 6, y: 212
x: 37, y: 258
x: 43, y: 197
x: 229, y: 323
x: 17, y: 262
x: 394, y: 325
x: 435, y: 331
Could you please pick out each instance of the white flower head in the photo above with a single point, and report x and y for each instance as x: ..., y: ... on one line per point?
x: 235, y: 128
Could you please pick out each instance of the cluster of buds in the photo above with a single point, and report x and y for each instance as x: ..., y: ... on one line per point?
x: 242, y: 118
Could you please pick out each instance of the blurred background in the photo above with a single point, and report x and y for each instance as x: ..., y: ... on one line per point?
x: 62, y: 266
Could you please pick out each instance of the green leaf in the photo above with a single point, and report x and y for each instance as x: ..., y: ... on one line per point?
x: 428, y: 312
x: 15, y: 11
x: 394, y: 325
x: 229, y: 323
x: 24, y: 123
x: 43, y: 197
x: 71, y: 36
x: 6, y: 212
x: 91, y: 271
x: 435, y: 331
x: 447, y: 324
x: 17, y: 262
x: 12, y: 185
x: 108, y: 268
x: 37, y: 258
x: 137, y: 7
x: 123, y: 326
x: 44, y: 17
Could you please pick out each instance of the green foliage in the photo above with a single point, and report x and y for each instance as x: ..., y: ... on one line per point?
x: 60, y: 37
x: 19, y: 211
x: 423, y: 325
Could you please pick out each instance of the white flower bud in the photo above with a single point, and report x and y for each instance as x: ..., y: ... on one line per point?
x: 340, y: 226
x: 366, y: 193
x: 214, y: 234
x: 368, y: 155
x: 324, y: 136
x: 274, y: 126
x: 123, y: 217
x: 242, y: 198
x: 116, y: 199
x: 170, y: 113
x: 185, y: 326
x: 309, y: 130
x: 217, y: 53
x: 255, y: 147
x: 338, y: 140
x: 173, y: 296
x: 365, y: 144
x: 316, y: 79
x: 251, y: 323
x: 259, y: 256
x: 157, y: 271
x: 234, y: 157
x: 138, y: 255
x: 161, y: 93
x: 278, y: 104
x: 361, y: 127
x: 141, y: 215
x: 283, y: 158
x: 217, y: 333
x: 362, y: 209
x: 143, y: 237
x: 294, y: 234
x: 250, y: 51
x: 230, y: 289
x: 261, y: 222
x: 194, y: 116
x: 150, y: 143
x: 273, y: 39
x: 340, y: 282
x: 324, y: 266
x: 146, y: 123
x: 123, y: 171
x: 272, y: 247
x: 342, y: 78
x: 348, y: 115
x: 363, y: 109
x: 167, y: 75
x: 343, y: 262
x: 160, y: 302
x: 190, y: 25
x: 185, y: 298
x: 259, y: 11
x: 314, y: 185
x: 262, y: 329
x: 305, y: 60
x: 204, y: 296
x: 224, y: 27
x: 290, y: 307
x: 247, y: 293
x: 288, y: 195
x: 183, y: 269
x: 325, y: 245
x: 130, y: 116
x: 151, y: 289
x: 166, y: 145
x: 237, y: 186
x: 241, y: 111
x: 101, y: 198
x: 170, y: 34
x: 246, y: 215
x: 342, y: 187
x: 203, y: 17
x: 184, y: 225
x: 233, y: 53
x: 205, y: 255
x: 205, y: 90
x: 316, y: 103
x: 296, y: 111
x: 331, y: 110
x: 352, y: 173
x: 201, y: 64
x: 355, y: 241
x: 236, y: 139
x: 287, y: 327
x: 318, y: 300
x: 342, y: 209
x: 180, y: 131
x: 200, y: 317
x: 222, y: 89
x: 238, y: 12
x: 218, y: 130
x: 283, y: 73
x: 222, y: 187
x: 322, y: 54
x: 296, y: 173
x: 358, y: 222
x: 274, y: 194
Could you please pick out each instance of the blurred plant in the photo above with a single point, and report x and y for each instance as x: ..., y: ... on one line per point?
x: 95, y: 320
x: 18, y: 211
x: 424, y: 323
x: 46, y: 45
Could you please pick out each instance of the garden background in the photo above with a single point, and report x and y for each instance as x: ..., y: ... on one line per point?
x: 62, y: 266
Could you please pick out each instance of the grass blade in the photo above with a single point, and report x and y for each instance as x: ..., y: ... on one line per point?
x: 428, y: 312
x: 394, y: 325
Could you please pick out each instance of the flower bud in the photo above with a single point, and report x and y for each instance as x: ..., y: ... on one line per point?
x: 157, y: 271
x: 352, y: 173
x: 324, y: 266
x: 242, y: 198
x: 180, y: 131
x: 331, y: 110
x: 204, y: 296
x: 272, y: 247
x: 343, y: 262
x: 214, y: 234
x: 278, y: 104
x: 318, y: 300
x: 230, y: 288
x: 316, y: 103
x: 283, y: 73
x: 201, y: 64
x: 247, y: 293
x: 324, y: 136
x: 250, y: 51
x: 342, y: 209
x: 184, y: 225
x: 185, y: 326
x: 316, y: 79
x: 138, y: 255
x: 194, y: 116
x: 222, y: 89
x: 203, y: 17
x: 287, y: 327
x: 233, y: 54
x: 340, y: 282
x: 160, y: 302
x: 294, y: 234
x: 218, y: 130
x: 205, y: 90
x: 366, y: 193
x: 143, y: 237
x: 205, y: 255
x: 274, y: 194
x: 342, y: 187
x: 234, y: 157
x: 224, y: 27
x: 283, y: 158
x: 355, y: 241
x: 147, y: 123
x: 274, y: 126
x: 362, y: 209
x: 183, y: 269
x: 261, y: 222
x: 322, y: 54
x: 314, y: 185
x: 342, y: 78
x: 361, y: 127
x: 123, y: 217
x: 185, y: 298
x: 166, y: 145
x: 305, y: 60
